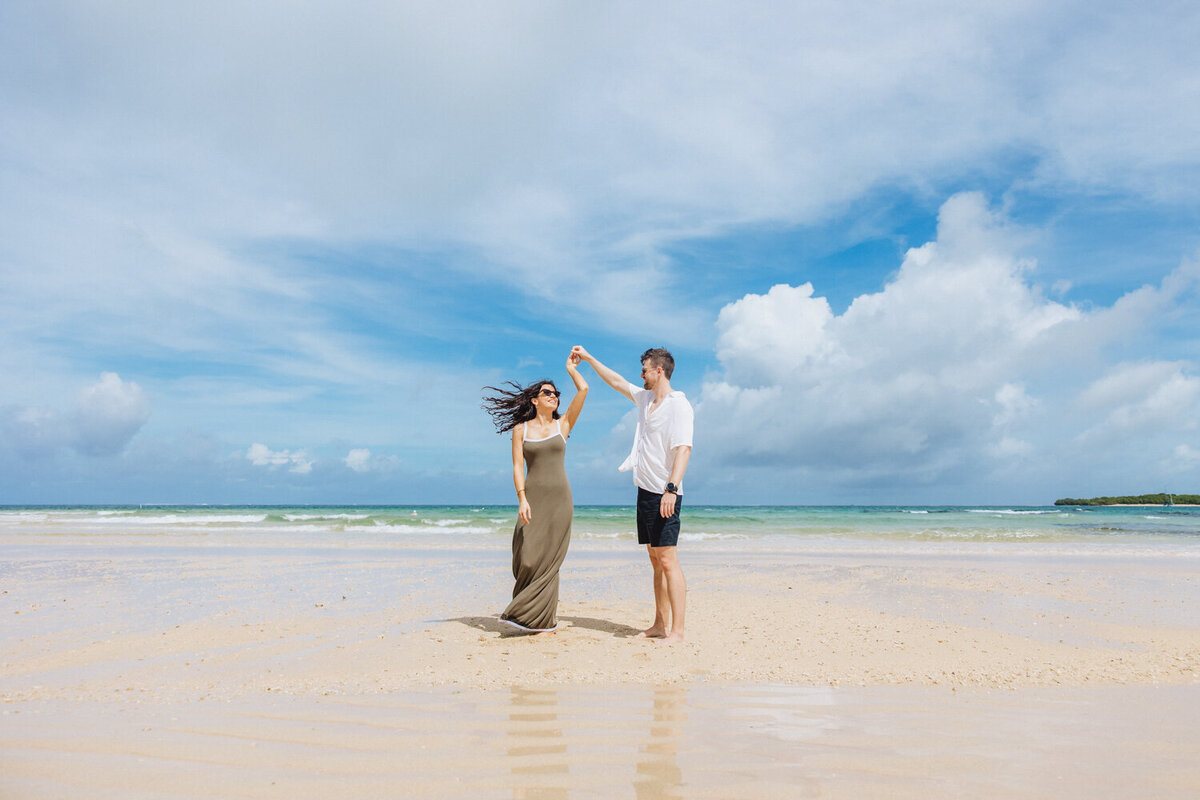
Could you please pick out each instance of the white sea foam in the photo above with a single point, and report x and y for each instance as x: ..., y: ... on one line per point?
x: 22, y: 517
x: 984, y: 535
x: 472, y: 529
x: 180, y: 519
x: 330, y: 517
x: 720, y: 537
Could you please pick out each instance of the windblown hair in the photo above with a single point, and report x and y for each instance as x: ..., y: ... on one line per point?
x: 508, y: 409
x: 660, y: 358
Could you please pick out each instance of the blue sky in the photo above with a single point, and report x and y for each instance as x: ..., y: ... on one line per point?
x: 911, y: 253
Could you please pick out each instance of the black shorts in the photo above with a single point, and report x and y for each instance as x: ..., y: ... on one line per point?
x: 653, y: 528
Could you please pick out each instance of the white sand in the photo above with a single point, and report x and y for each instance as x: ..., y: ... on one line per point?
x: 184, y: 671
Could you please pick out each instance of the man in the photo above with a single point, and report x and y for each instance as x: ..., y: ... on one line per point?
x: 661, y: 449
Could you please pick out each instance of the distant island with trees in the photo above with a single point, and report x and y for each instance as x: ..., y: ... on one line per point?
x: 1160, y: 499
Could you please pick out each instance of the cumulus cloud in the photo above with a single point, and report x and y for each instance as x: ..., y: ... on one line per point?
x: 938, y: 372
x: 297, y: 461
x: 107, y: 414
x: 358, y: 459
x: 105, y: 417
x: 1139, y: 399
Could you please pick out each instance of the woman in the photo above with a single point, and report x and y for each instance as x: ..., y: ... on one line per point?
x: 544, y: 505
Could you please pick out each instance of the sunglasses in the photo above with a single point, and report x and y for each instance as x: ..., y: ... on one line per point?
x: 549, y: 393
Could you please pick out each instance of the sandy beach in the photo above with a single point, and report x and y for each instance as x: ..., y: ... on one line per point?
x: 130, y: 670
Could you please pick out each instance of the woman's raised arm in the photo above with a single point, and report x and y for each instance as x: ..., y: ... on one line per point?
x: 581, y: 390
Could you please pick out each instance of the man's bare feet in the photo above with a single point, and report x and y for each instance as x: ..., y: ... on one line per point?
x: 652, y: 633
x: 674, y: 637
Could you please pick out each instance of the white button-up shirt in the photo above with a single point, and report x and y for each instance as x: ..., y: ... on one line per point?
x: 658, y: 434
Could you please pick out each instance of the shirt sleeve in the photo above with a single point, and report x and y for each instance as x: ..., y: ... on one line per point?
x: 681, y: 426
x: 635, y: 390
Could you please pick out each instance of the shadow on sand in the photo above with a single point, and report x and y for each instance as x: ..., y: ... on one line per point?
x: 603, y: 625
x: 493, y: 624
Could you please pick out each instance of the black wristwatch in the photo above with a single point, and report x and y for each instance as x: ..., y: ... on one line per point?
x: 672, y: 488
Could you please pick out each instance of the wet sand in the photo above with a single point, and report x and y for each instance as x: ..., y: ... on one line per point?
x: 137, y: 670
x: 701, y: 740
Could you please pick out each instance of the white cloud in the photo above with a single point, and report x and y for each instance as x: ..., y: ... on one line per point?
x: 749, y: 345
x: 958, y: 365
x: 358, y: 459
x: 1184, y: 457
x: 1140, y: 399
x: 361, y: 460
x: 1013, y: 404
x: 1010, y: 448
x: 107, y: 414
x: 262, y: 456
x: 105, y: 417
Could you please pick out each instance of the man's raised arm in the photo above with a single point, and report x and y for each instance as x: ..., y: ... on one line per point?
x: 607, y: 374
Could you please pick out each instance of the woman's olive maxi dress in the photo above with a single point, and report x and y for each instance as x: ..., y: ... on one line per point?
x: 540, y: 545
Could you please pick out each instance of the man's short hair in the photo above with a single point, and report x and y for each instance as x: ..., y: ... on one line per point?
x: 658, y: 357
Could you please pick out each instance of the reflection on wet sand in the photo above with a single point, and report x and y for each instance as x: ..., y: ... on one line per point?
x: 705, y: 740
x: 658, y: 773
x: 562, y: 740
x: 536, y: 749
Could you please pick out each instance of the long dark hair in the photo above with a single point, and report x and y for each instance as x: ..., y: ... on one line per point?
x: 508, y: 409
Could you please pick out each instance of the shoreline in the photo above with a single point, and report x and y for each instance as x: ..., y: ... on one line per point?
x: 1137, y: 505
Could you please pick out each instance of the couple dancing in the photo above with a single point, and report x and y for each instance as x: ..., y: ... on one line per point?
x: 662, y: 446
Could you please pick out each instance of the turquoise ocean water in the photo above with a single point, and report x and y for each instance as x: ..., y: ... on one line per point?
x: 837, y: 528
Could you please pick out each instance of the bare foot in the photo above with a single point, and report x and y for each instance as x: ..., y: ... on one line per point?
x: 651, y: 633
x: 674, y: 637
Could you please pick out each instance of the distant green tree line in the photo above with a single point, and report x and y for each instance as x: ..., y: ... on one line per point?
x: 1140, y: 499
